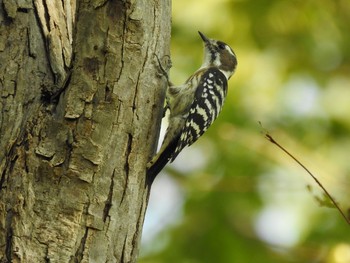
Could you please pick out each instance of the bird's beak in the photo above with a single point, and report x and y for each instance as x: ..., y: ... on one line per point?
x: 205, y: 39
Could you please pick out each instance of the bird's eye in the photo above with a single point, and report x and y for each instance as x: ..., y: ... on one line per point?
x: 221, y: 45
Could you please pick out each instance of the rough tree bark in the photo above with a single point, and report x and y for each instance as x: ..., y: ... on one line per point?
x: 80, y: 106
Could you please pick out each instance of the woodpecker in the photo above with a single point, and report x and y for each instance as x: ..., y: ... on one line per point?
x: 195, y: 104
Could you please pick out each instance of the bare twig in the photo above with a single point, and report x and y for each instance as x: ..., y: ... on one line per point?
x: 272, y: 140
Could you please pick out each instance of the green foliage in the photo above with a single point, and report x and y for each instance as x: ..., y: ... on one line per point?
x: 249, y: 202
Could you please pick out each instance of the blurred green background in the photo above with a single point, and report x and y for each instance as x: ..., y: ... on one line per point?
x: 233, y: 196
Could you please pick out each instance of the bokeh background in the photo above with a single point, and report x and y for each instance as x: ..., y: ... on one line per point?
x: 233, y: 196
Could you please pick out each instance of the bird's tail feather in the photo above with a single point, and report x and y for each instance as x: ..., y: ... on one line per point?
x: 163, y: 158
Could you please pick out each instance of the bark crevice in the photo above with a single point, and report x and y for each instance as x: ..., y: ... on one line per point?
x: 9, y: 235
x: 108, y: 203
x: 80, y: 251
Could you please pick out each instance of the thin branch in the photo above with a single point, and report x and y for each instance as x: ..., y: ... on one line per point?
x: 272, y: 140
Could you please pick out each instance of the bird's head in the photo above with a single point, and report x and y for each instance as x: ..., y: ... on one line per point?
x: 220, y: 55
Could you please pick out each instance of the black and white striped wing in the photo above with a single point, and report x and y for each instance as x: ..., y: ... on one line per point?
x: 208, y: 101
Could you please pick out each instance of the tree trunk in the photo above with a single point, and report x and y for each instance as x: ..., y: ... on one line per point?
x: 80, y: 108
